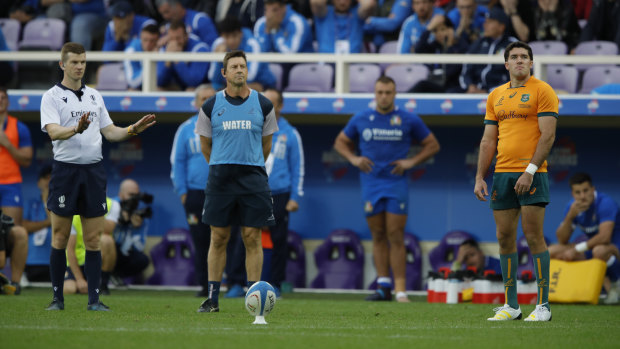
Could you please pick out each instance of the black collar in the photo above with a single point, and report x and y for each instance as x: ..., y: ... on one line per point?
x: 78, y: 93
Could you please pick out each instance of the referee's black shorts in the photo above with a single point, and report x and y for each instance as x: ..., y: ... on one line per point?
x: 78, y: 189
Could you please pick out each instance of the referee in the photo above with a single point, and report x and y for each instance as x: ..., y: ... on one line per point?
x: 235, y: 127
x: 74, y: 116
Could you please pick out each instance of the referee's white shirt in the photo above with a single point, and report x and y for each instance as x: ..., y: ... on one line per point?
x: 63, y: 106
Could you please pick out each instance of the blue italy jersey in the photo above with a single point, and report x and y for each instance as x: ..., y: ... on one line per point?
x: 201, y: 25
x: 189, y: 167
x: 285, y: 166
x: 257, y: 71
x: 39, y: 242
x: 237, y: 127
x: 110, y: 43
x: 479, y: 17
x: 185, y: 74
x: 411, y: 31
x: 293, y: 36
x: 336, y: 26
x: 603, y: 209
x: 133, y: 69
x: 384, y: 138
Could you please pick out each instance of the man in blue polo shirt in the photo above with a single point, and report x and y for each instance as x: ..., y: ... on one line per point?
x: 124, y: 27
x: 384, y: 136
x: 286, y: 169
x: 234, y: 37
x: 283, y: 30
x: 197, y: 23
x: 414, y: 25
x: 339, y: 27
x: 189, y: 177
x: 236, y: 127
x: 384, y: 18
x: 147, y: 42
x: 184, y: 75
x: 598, y: 216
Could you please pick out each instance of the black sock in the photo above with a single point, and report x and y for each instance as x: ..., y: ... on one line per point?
x: 214, y: 291
x: 58, y: 266
x: 92, y: 269
x: 105, y: 279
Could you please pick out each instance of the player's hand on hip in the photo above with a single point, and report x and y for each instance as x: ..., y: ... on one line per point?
x: 363, y: 163
x: 400, y: 166
x: 480, y: 190
x: 144, y: 123
x: 82, y: 286
x: 524, y: 183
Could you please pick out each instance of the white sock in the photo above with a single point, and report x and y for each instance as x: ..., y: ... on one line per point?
x: 401, y: 295
x: 384, y: 280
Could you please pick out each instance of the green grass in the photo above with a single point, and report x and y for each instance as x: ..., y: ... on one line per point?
x: 168, y: 319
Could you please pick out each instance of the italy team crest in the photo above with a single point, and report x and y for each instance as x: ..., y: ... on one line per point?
x: 395, y: 120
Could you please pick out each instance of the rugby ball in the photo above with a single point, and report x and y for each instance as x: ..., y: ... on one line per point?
x: 260, y: 299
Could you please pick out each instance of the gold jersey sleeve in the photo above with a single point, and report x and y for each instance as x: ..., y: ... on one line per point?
x: 515, y: 110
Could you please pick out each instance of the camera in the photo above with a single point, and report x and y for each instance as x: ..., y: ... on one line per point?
x: 130, y: 206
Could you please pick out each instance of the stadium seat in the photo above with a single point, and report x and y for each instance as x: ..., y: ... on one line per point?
x: 296, y: 261
x: 111, y: 77
x: 595, y: 48
x: 44, y: 33
x: 414, y: 264
x: 362, y: 77
x: 40, y: 34
x: 10, y: 30
x: 173, y: 259
x: 276, y: 70
x: 562, y: 77
x: 548, y: 47
x: 340, y: 261
x: 444, y: 254
x: 388, y: 47
x: 406, y: 75
x: 310, y: 77
x: 598, y: 76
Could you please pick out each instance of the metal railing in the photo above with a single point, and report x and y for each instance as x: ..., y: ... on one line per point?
x: 341, y: 62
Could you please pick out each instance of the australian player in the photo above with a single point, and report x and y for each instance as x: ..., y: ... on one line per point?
x: 520, y: 125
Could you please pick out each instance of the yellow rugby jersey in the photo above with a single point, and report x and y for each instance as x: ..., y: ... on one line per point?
x: 516, y: 112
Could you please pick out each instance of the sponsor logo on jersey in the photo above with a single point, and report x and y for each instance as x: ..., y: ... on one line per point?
x: 382, y: 134
x: 513, y: 94
x: 502, y: 115
x: 79, y: 113
x: 61, y: 201
x: 64, y: 99
x: 500, y: 101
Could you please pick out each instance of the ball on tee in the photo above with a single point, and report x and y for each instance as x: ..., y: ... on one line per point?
x: 260, y: 299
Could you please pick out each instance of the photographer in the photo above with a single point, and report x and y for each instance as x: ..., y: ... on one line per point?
x: 131, y: 230
x: 13, y: 245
